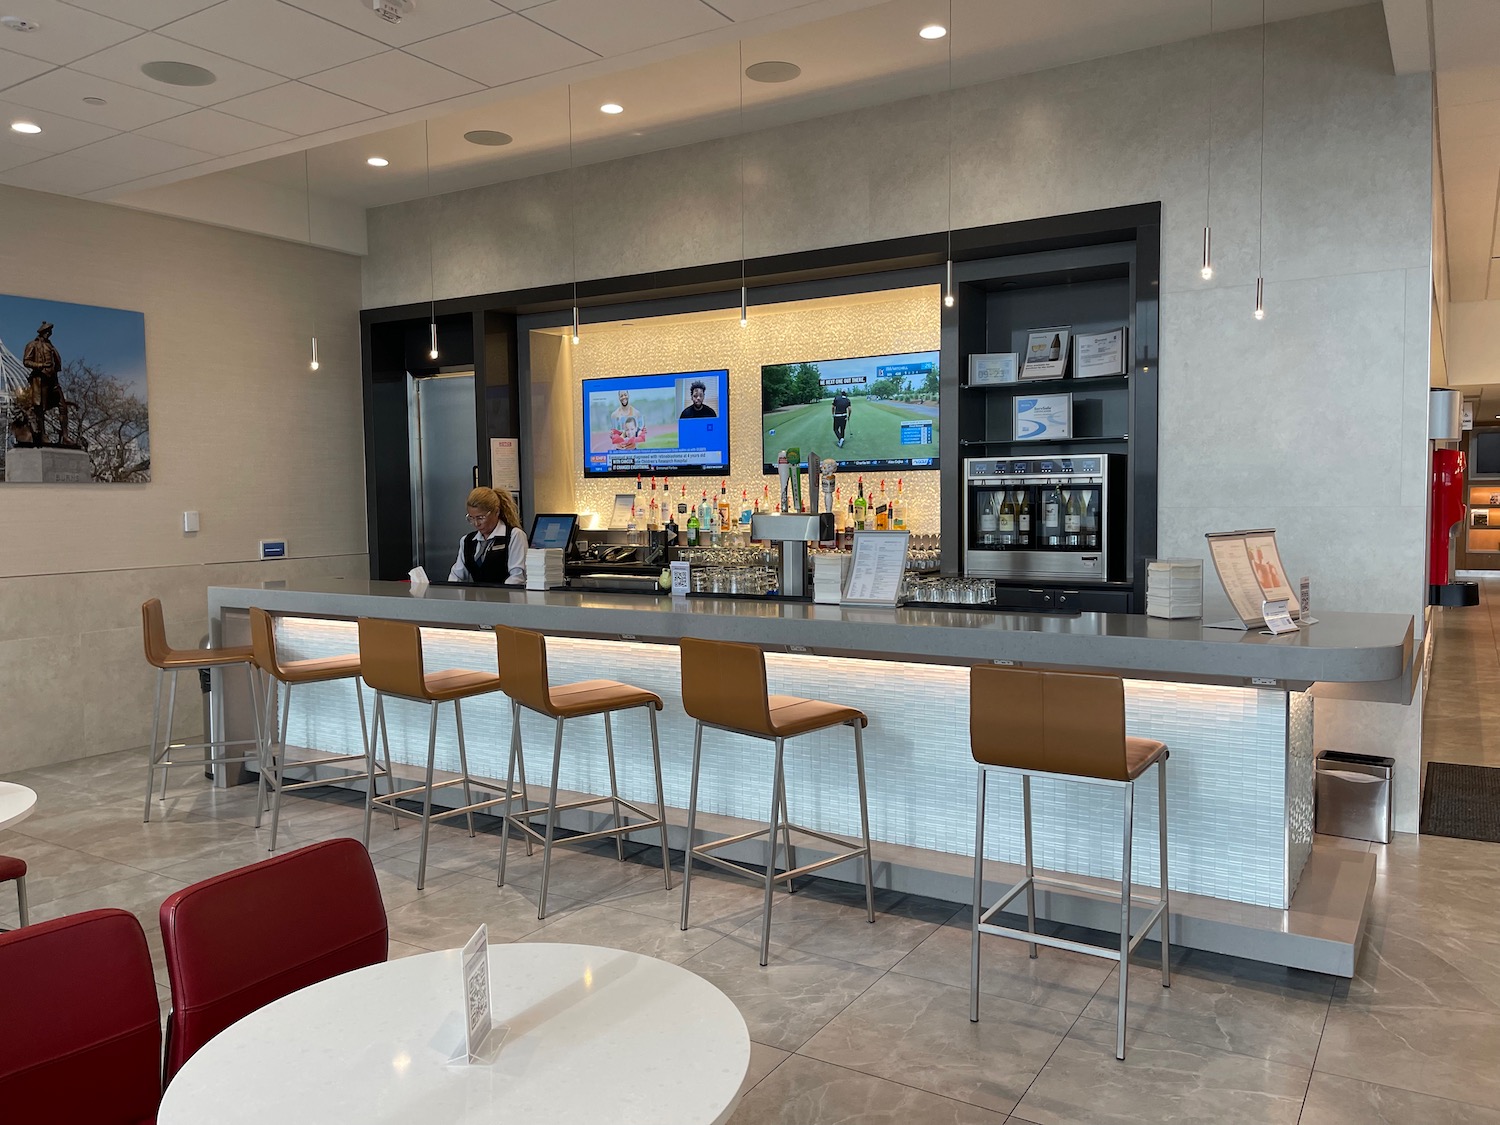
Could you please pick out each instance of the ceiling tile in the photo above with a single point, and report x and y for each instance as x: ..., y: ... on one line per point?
x: 741, y: 10
x: 503, y: 50
x: 66, y: 33
x: 211, y: 131
x: 123, y: 63
x: 16, y: 68
x: 65, y: 174
x: 63, y: 91
x: 273, y: 36
x: 59, y: 133
x: 427, y: 21
x: 394, y: 81
x: 146, y: 14
x: 14, y: 155
x: 139, y: 156
x: 626, y: 25
x: 299, y: 109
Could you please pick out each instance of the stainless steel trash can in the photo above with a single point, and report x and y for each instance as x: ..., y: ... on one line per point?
x: 1354, y: 795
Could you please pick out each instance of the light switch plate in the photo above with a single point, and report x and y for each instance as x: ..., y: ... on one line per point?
x: 189, y: 522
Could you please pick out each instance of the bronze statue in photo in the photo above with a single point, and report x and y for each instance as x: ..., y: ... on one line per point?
x: 43, y: 364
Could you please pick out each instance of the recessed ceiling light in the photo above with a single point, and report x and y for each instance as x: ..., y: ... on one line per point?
x: 377, y: 162
x: 933, y: 31
x: 772, y: 71
x: 611, y: 107
x: 492, y: 138
x: 25, y: 127
x: 94, y: 101
x: 178, y: 73
x: 16, y: 23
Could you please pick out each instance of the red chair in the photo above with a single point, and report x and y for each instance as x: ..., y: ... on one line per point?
x: 80, y: 1025
x: 14, y: 870
x: 240, y: 940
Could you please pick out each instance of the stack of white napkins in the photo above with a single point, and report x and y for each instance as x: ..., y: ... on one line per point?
x: 828, y: 577
x: 1174, y: 588
x: 544, y: 568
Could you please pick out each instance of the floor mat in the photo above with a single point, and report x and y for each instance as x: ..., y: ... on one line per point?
x: 1462, y: 801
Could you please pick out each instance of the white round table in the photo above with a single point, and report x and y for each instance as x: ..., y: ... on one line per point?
x: 16, y: 803
x: 596, y: 1035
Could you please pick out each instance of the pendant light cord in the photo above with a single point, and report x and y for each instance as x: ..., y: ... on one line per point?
x: 427, y: 192
x: 1208, y: 194
x: 950, y: 143
x: 1260, y: 254
x: 572, y: 210
x: 743, y: 294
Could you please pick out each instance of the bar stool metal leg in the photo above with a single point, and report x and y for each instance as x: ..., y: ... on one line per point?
x: 427, y: 794
x: 1125, y: 918
x: 687, y: 856
x: 263, y: 724
x: 541, y: 907
x: 1030, y: 864
x: 786, y: 836
x: 21, y: 901
x: 151, y: 754
x: 1166, y: 907
x: 864, y: 821
x: 463, y: 762
x: 777, y: 797
x: 166, y: 754
x: 278, y: 763
x: 614, y: 788
x: 978, y: 898
x: 661, y: 797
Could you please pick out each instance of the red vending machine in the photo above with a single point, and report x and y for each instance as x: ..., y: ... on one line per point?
x: 1447, y: 516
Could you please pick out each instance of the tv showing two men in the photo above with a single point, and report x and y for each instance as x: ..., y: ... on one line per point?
x: 874, y: 412
x: 657, y: 424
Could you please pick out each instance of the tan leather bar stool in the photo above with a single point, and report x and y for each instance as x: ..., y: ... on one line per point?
x: 724, y: 686
x: 290, y: 673
x: 390, y: 657
x: 12, y: 868
x: 1063, y: 726
x: 164, y: 658
x: 522, y: 657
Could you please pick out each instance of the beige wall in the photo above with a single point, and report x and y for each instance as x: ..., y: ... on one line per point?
x: 1313, y: 421
x: 889, y: 323
x: 241, y: 431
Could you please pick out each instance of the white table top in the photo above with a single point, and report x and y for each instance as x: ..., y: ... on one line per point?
x: 596, y: 1035
x: 16, y: 803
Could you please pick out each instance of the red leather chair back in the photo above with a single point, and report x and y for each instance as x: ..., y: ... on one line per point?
x: 80, y: 1024
x: 240, y: 940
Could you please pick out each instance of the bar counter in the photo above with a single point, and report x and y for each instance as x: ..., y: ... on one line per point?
x: 1235, y: 708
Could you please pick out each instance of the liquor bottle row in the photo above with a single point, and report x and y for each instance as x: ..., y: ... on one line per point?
x: 1055, y: 516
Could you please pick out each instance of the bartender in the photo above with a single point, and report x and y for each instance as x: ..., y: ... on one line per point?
x: 495, y: 551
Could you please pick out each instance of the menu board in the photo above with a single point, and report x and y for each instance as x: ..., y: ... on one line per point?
x: 877, y: 567
x: 1250, y: 570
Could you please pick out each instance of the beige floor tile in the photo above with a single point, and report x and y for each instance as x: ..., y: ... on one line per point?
x: 918, y: 1033
x: 805, y: 1092
x: 1343, y: 1101
x: 614, y: 928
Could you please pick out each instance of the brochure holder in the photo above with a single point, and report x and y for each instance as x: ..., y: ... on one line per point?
x: 1250, y: 570
x: 876, y: 568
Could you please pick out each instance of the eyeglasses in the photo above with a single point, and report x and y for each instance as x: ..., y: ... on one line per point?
x: 477, y: 520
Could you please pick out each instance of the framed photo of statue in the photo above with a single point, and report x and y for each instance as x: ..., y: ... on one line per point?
x: 73, y: 405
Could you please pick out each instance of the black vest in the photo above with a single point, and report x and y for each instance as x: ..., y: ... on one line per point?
x: 496, y: 566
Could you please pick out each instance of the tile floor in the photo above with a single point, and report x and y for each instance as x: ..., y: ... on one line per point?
x: 854, y: 1023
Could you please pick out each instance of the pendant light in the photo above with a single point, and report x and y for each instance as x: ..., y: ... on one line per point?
x: 948, y: 297
x: 744, y: 289
x: 1207, y: 272
x: 307, y: 198
x: 432, y: 345
x: 1260, y: 253
x: 572, y: 215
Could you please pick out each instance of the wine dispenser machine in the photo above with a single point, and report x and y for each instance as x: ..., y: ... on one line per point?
x: 1044, y: 517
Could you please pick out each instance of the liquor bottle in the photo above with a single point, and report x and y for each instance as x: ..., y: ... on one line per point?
x: 882, y: 511
x: 1052, y: 505
x: 1072, y: 519
x: 682, y: 504
x: 671, y: 530
x: 1091, y: 519
x: 632, y: 533
x: 724, y: 520
x: 838, y: 518
x: 692, y: 528
x: 988, y: 519
x: 703, y: 509
x: 1006, y: 525
x: 715, y: 528
x: 861, y: 507
x: 653, y: 512
x: 1023, y: 518
x: 898, y: 508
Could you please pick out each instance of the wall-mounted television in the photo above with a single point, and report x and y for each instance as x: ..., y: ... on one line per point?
x: 868, y: 412
x: 675, y: 423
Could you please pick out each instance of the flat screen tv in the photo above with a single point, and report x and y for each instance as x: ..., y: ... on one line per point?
x: 869, y: 412
x: 1484, y: 453
x: 674, y: 424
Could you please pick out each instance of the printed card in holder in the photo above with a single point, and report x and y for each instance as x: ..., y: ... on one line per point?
x: 877, y: 567
x: 1043, y: 417
x: 994, y: 368
x: 682, y: 579
x: 1046, y: 353
x: 1278, y: 617
x: 482, y: 1040
x: 1097, y: 355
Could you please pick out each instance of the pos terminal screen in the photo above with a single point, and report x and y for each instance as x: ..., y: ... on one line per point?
x: 552, y: 532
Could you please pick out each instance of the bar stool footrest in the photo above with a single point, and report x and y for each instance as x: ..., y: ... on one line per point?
x: 705, y: 852
x: 522, y: 819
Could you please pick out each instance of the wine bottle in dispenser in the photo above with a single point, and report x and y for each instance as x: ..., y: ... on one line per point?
x: 1006, y: 524
x: 1023, y: 518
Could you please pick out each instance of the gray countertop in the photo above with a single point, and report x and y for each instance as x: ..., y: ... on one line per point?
x: 1342, y: 648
